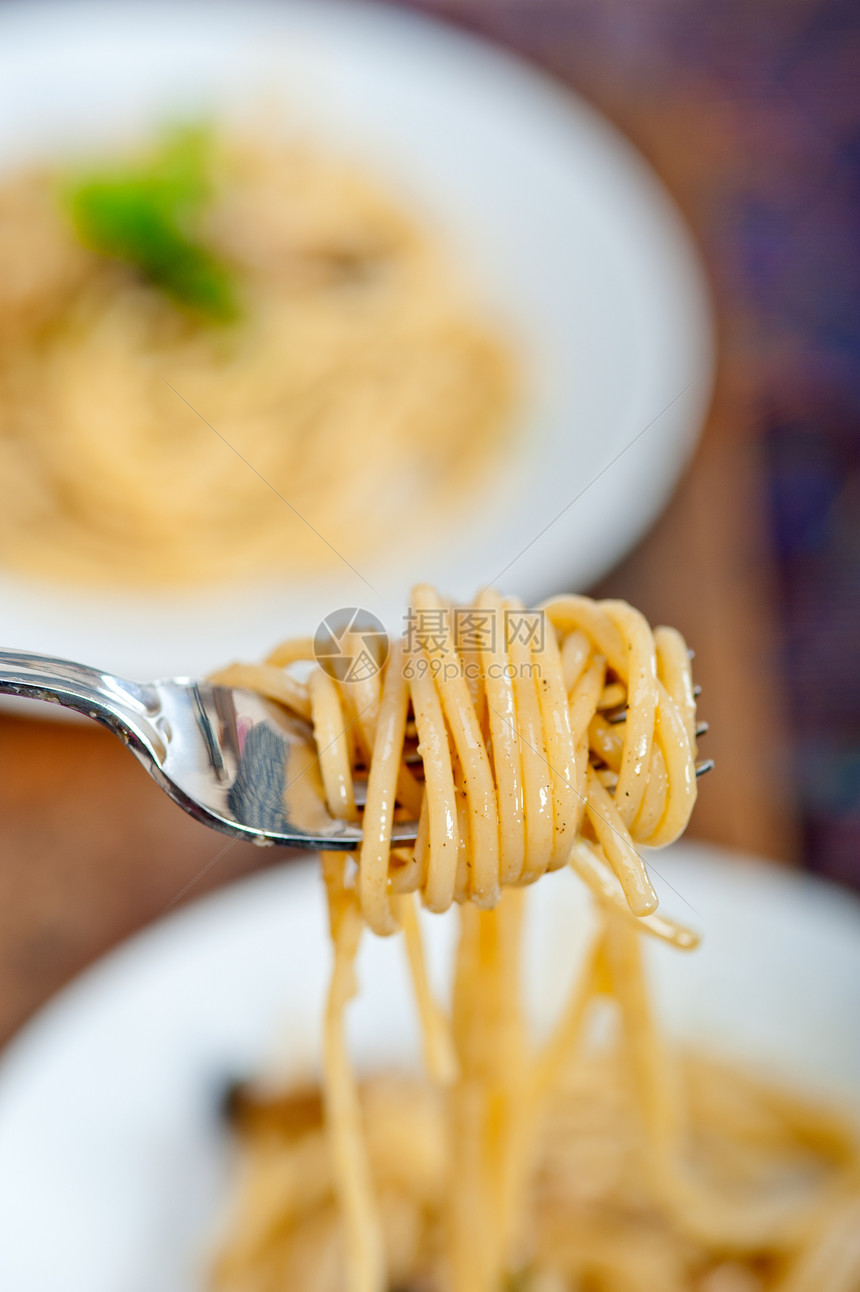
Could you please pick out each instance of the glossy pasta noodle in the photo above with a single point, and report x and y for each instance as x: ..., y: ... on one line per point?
x: 523, y: 743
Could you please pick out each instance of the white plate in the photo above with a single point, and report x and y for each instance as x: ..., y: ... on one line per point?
x: 112, y: 1157
x: 565, y: 231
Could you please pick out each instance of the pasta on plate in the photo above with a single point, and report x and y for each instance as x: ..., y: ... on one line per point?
x: 220, y: 298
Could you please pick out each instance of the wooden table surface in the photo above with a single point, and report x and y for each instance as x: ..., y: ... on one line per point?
x: 91, y: 850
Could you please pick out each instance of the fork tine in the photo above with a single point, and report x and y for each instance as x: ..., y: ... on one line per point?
x: 702, y: 768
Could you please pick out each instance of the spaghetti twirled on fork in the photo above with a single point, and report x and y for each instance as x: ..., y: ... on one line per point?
x: 523, y: 743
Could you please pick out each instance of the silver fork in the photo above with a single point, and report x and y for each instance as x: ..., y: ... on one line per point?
x: 230, y: 758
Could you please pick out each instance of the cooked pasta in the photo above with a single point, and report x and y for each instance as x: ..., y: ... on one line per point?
x: 357, y: 380
x: 524, y: 742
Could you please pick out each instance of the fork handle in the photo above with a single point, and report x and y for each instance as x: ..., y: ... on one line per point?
x: 129, y: 709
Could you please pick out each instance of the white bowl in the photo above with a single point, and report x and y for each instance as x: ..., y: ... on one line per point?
x: 113, y: 1160
x: 566, y: 232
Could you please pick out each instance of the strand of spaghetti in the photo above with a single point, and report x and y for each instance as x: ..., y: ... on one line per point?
x: 679, y: 755
x: 656, y: 800
x: 612, y: 835
x: 378, y: 821
x: 537, y: 777
x: 338, y: 897
x: 363, y: 691
x: 421, y: 851
x: 575, y: 654
x: 604, y: 884
x: 582, y: 763
x: 360, y: 746
x: 584, y: 697
x: 291, y: 651
x: 624, y: 855
x: 404, y: 875
x: 271, y: 682
x: 468, y: 742
x: 486, y: 1175
x: 559, y: 743
x: 673, y: 669
x: 641, y: 707
x: 612, y: 695
x: 505, y: 742
x: 669, y: 794
x: 410, y: 790
x: 659, y: 1105
x: 442, y: 832
x: 574, y: 613
x: 471, y: 1253
x: 364, y: 1253
x: 331, y: 740
x: 509, y: 1104
x: 439, y: 1053
x: 607, y: 778
x: 607, y: 741
x: 469, y: 639
x: 462, y: 890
